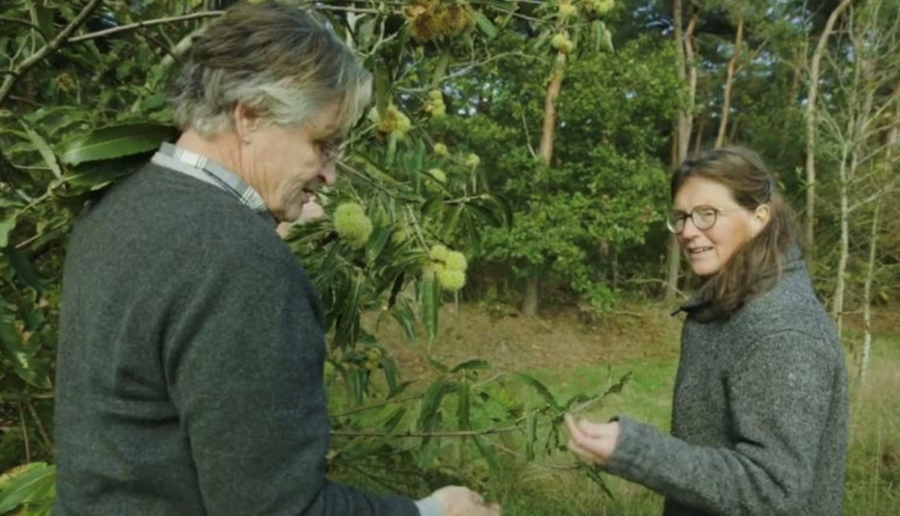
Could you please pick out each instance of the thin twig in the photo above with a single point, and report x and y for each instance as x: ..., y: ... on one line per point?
x: 47, y: 49
x: 146, y: 23
x: 40, y: 426
x: 26, y: 396
x: 457, y: 433
x: 25, y: 434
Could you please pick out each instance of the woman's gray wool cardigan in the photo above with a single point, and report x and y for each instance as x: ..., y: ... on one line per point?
x: 759, y: 423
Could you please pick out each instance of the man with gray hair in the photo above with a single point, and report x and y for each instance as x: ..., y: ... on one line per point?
x: 191, y: 349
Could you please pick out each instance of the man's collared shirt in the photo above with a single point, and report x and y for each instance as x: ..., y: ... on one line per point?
x: 209, y: 171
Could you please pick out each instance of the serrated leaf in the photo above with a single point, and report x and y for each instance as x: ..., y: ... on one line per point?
x: 32, y: 487
x: 24, y: 270
x: 531, y: 429
x: 470, y: 365
x: 43, y: 148
x: 7, y: 224
x: 429, y: 416
x: 487, y: 451
x: 116, y: 141
x: 485, y: 25
x: 438, y: 365
x: 463, y: 406
x: 431, y: 293
x: 541, y: 389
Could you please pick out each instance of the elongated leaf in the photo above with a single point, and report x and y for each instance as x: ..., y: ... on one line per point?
x: 403, y: 314
x: 348, y: 325
x: 7, y: 224
x: 485, y: 25
x: 429, y: 416
x: 24, y: 270
x: 487, y: 451
x: 531, y: 426
x: 470, y: 365
x: 541, y: 389
x: 12, y: 349
x: 431, y: 294
x: 463, y: 406
x: 375, y: 244
x: 33, y: 488
x: 115, y: 142
x: 44, y: 150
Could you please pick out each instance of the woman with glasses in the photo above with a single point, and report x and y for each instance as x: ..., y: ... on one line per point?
x: 759, y: 422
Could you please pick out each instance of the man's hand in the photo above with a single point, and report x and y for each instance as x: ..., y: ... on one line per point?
x: 592, y: 441
x: 462, y: 501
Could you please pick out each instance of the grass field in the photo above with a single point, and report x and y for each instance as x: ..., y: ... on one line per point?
x: 571, y: 357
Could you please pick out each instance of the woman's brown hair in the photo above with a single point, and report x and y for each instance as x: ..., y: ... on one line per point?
x: 755, y: 266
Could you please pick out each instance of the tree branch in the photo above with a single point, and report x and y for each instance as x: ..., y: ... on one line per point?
x: 47, y: 49
x: 147, y: 23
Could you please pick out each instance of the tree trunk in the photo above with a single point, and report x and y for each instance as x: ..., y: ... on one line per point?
x: 812, y: 124
x: 687, y: 72
x: 893, y: 138
x: 867, y: 294
x: 837, y: 308
x: 673, y: 262
x: 531, y: 301
x: 729, y: 82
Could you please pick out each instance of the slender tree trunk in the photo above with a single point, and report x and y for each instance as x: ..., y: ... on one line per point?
x: 837, y: 308
x: 867, y: 293
x: 687, y: 72
x: 531, y: 301
x: 729, y: 83
x: 893, y: 138
x: 812, y: 123
x: 698, y: 139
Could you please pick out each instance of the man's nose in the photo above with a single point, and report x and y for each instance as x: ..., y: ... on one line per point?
x: 329, y: 173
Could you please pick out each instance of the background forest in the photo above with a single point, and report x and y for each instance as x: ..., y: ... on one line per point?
x: 536, y: 139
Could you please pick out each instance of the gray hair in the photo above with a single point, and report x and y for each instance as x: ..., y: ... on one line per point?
x: 278, y: 61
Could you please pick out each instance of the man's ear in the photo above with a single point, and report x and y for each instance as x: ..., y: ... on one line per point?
x: 246, y: 122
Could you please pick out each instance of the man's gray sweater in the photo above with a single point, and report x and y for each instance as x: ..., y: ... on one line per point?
x: 190, y: 364
x: 759, y: 424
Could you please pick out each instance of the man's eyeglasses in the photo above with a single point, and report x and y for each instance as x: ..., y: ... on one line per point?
x: 703, y: 217
x: 332, y: 150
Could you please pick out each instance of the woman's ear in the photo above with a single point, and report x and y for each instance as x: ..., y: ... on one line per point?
x: 761, y: 217
x: 245, y: 123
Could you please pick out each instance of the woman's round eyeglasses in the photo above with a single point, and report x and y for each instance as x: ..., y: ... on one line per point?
x: 703, y: 217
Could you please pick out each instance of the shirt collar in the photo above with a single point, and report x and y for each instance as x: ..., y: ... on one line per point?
x: 218, y: 174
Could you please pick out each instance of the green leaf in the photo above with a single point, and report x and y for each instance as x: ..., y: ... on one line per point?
x: 531, y: 427
x: 487, y: 451
x: 24, y: 270
x: 470, y: 365
x: 7, y: 224
x: 429, y: 416
x: 485, y: 25
x: 115, y: 142
x: 44, y: 149
x: 541, y: 389
x: 438, y: 365
x: 403, y: 314
x: 12, y: 348
x: 375, y: 244
x: 431, y: 295
x: 463, y: 406
x: 347, y: 326
x: 31, y: 487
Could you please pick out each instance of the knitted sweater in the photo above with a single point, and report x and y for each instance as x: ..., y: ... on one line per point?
x: 189, y: 376
x: 759, y: 424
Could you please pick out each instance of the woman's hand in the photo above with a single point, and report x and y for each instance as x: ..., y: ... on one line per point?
x: 594, y: 442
